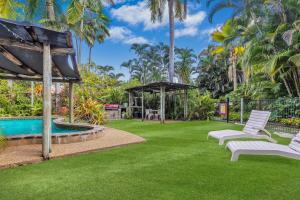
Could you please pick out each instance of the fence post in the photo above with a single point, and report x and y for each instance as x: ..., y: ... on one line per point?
x: 242, y: 110
x: 227, y: 110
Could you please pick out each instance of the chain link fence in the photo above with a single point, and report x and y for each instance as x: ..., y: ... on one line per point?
x: 285, y: 117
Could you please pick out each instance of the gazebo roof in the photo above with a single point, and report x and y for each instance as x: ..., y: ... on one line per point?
x: 155, y: 87
x: 21, y: 52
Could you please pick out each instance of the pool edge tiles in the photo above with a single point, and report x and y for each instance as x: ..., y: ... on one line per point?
x: 90, y: 132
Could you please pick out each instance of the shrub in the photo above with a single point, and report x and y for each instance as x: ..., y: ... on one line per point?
x: 290, y: 121
x: 202, y: 105
x: 89, y: 110
x: 236, y: 116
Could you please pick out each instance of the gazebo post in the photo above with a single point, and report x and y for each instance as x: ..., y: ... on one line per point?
x: 185, y: 105
x: 162, y: 104
x: 47, y: 81
x: 130, y: 104
x: 71, y: 102
x: 143, y: 105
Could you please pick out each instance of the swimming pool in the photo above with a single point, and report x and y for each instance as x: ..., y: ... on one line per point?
x: 23, y: 131
x: 28, y: 126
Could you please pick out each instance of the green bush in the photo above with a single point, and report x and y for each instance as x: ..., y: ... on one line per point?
x: 290, y: 121
x: 201, y: 105
x: 236, y: 116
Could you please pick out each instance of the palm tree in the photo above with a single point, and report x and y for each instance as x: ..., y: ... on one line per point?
x: 9, y: 9
x: 76, y: 13
x: 95, y: 30
x: 178, y: 9
x: 184, y: 65
x: 226, y: 35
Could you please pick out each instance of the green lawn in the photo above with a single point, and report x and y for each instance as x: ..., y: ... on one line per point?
x: 176, y: 162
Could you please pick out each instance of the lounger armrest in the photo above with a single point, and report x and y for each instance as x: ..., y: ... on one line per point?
x: 263, y: 130
x: 266, y: 132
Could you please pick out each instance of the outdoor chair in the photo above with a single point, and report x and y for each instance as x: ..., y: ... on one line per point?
x: 254, y: 128
x: 265, y: 148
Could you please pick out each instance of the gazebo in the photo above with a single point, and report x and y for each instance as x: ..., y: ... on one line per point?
x: 161, y: 87
x: 32, y: 53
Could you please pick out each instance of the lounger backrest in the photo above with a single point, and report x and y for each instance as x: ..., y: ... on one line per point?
x: 258, y: 120
x: 295, y: 143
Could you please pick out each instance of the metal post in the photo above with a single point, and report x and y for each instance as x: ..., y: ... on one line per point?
x: 227, y: 110
x: 185, y: 106
x: 143, y: 105
x: 242, y: 110
x: 71, y: 102
x: 47, y: 81
x: 162, y: 104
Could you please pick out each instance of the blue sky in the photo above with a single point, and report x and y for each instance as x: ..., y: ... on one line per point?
x: 130, y: 23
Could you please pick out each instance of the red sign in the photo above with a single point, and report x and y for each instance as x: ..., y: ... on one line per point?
x: 111, y: 106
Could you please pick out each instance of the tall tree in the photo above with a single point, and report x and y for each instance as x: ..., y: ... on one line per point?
x: 185, y: 64
x: 77, y: 11
x: 176, y: 9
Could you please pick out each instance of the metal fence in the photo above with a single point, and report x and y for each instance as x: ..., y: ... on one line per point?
x: 285, y: 117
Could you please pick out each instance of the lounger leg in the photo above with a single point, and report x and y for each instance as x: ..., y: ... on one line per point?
x: 235, y: 156
x: 208, y: 136
x: 272, y: 140
x: 221, y: 141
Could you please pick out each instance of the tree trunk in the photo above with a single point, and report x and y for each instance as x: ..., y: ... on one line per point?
x: 50, y: 10
x: 286, y: 84
x: 234, y: 73
x: 282, y: 11
x: 80, y: 42
x: 296, y: 81
x: 171, y: 51
x: 234, y: 76
x: 90, y: 55
x: 81, y: 33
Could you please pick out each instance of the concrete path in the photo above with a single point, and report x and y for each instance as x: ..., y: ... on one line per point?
x: 26, y: 154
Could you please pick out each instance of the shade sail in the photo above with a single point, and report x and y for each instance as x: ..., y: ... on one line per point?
x: 21, y: 52
x: 155, y: 87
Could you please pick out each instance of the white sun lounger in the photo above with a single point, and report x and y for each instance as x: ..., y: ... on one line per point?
x: 254, y: 128
x: 265, y: 148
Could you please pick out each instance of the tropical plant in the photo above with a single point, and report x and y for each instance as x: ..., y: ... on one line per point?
x: 201, y: 105
x: 185, y: 64
x: 80, y: 10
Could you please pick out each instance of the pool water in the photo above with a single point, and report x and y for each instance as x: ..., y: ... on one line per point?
x: 26, y: 126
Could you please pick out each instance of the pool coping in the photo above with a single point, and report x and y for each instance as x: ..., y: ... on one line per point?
x: 90, y: 132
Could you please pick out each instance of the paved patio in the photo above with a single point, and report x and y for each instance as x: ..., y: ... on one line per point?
x: 21, y: 155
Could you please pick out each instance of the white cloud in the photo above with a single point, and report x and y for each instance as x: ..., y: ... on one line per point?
x: 208, y: 31
x: 138, y: 14
x: 187, y: 31
x: 190, y: 25
x: 195, y: 19
x: 124, y: 35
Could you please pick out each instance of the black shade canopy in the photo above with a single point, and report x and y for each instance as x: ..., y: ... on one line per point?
x: 21, y: 52
x: 155, y: 87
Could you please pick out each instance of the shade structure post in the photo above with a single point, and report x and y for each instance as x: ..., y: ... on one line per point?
x: 71, y: 102
x: 162, y: 104
x: 185, y: 105
x: 143, y: 105
x: 242, y: 111
x: 47, y: 82
x: 130, y: 98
